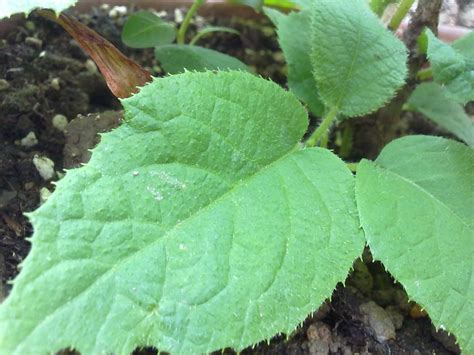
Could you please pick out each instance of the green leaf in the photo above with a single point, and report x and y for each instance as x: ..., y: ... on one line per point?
x: 432, y: 101
x: 176, y: 58
x: 8, y: 8
x: 210, y: 29
x: 465, y: 47
x: 144, y: 29
x: 416, y: 207
x: 295, y: 48
x: 379, y: 6
x: 198, y: 224
x: 274, y: 15
x: 358, y: 64
x: 256, y: 4
x: 451, y: 68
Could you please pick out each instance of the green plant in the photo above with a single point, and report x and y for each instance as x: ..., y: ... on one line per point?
x: 146, y: 30
x: 203, y: 222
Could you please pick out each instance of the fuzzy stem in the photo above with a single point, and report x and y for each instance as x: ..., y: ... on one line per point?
x: 323, y: 127
x: 402, y: 11
x: 189, y: 15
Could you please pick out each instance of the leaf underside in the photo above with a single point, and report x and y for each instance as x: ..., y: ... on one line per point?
x: 176, y: 58
x: 432, y: 101
x: 196, y: 225
x: 8, y: 7
x: 358, y: 64
x: 295, y: 48
x: 416, y: 208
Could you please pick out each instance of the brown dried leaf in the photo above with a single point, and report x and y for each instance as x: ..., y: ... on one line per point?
x: 123, y: 75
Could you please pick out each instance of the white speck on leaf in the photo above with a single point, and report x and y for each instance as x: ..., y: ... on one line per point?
x: 155, y: 193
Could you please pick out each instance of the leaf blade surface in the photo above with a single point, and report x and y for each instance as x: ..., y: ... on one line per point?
x: 214, y: 213
x: 175, y: 58
x: 358, y: 65
x: 144, y: 29
x: 415, y: 203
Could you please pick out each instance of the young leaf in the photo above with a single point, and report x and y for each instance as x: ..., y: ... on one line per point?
x: 10, y: 7
x: 358, y: 64
x: 451, y: 68
x: 416, y: 208
x: 176, y: 58
x: 198, y: 224
x: 295, y: 48
x: 465, y: 47
x: 144, y: 29
x: 432, y: 101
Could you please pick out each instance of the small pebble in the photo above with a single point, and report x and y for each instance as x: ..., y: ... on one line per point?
x: 90, y: 66
x: 30, y: 25
x: 60, y: 122
x: 379, y: 320
x: 178, y: 16
x: 34, y: 42
x: 45, y: 167
x: 44, y: 194
x: 117, y: 11
x: 161, y: 13
x: 29, y: 141
x: 55, y: 84
x: 4, y: 84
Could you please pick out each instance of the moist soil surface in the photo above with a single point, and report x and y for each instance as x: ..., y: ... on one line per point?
x: 45, y: 74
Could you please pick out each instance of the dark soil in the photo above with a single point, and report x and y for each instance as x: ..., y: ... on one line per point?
x: 45, y: 73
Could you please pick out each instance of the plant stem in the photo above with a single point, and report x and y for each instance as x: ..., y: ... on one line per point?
x: 425, y: 74
x: 352, y: 166
x: 323, y: 127
x: 402, y: 11
x: 346, y: 145
x: 187, y: 19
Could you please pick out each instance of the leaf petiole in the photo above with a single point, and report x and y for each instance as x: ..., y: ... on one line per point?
x: 323, y: 128
x: 425, y: 74
x: 402, y: 11
x: 189, y: 15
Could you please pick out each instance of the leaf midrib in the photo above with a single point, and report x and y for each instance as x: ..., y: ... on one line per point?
x: 426, y: 192
x: 191, y: 216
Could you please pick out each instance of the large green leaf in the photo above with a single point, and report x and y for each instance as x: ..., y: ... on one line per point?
x: 358, y: 64
x: 452, y: 68
x: 431, y: 100
x: 176, y: 58
x: 295, y: 47
x: 198, y: 224
x: 10, y: 7
x: 144, y: 29
x: 416, y: 208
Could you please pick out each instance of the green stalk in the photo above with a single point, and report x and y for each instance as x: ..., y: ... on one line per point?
x: 187, y: 19
x: 402, y: 11
x: 425, y: 74
x: 323, y: 127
